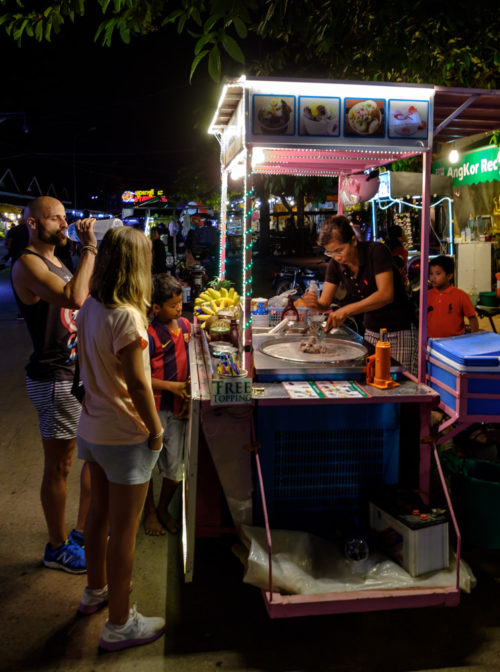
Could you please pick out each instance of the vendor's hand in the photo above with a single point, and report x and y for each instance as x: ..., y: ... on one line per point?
x: 336, y: 319
x: 310, y: 300
x: 181, y: 389
x: 85, y: 231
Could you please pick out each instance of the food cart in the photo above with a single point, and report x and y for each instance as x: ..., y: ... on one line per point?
x: 300, y: 127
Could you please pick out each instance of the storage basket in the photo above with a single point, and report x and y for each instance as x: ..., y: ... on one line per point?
x: 488, y: 299
x: 276, y: 313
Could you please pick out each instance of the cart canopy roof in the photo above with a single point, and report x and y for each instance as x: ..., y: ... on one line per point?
x: 407, y: 120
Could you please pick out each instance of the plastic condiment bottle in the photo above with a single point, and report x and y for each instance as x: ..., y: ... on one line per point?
x: 383, y: 357
x: 234, y: 334
x: 497, y: 276
x: 470, y: 229
x: 313, y: 287
x: 290, y: 312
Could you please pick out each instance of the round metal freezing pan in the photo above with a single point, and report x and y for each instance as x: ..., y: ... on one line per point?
x: 339, y: 350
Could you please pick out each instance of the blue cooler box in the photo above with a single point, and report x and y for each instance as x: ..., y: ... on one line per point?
x: 476, y: 355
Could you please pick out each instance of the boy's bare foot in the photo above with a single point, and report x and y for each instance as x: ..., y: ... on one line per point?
x: 153, y: 526
x: 169, y: 523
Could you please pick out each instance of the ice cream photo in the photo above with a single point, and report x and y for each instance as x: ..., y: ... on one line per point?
x: 407, y: 119
x: 319, y: 116
x: 273, y: 115
x: 364, y: 117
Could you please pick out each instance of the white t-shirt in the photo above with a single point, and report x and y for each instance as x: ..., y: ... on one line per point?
x: 108, y: 413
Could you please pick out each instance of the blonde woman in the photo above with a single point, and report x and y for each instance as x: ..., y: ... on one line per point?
x: 120, y: 433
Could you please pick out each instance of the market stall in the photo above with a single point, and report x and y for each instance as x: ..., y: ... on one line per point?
x: 473, y: 167
x: 330, y: 129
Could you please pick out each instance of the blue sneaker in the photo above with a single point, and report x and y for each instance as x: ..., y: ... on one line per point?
x: 68, y: 557
x: 76, y: 538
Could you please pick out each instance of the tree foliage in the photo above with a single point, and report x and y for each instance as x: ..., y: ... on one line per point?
x: 449, y: 43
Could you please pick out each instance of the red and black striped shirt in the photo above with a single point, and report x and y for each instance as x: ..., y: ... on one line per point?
x: 169, y: 355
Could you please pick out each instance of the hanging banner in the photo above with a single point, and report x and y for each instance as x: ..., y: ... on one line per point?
x: 478, y: 165
x: 232, y: 140
x: 339, y: 115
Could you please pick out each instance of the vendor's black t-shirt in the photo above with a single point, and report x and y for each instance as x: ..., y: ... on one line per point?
x: 374, y: 258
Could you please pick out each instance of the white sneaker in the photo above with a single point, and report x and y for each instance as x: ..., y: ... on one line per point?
x: 137, y: 630
x: 93, y: 599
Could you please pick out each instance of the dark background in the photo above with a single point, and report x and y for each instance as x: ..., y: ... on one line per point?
x: 149, y: 120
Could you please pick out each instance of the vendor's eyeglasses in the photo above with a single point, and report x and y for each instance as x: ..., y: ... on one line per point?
x: 335, y: 253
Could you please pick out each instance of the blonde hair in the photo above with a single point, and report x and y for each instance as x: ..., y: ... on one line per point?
x: 122, y: 273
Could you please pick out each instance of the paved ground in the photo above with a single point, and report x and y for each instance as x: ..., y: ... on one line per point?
x: 217, y: 623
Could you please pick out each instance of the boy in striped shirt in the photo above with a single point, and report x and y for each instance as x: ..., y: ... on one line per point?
x: 169, y: 335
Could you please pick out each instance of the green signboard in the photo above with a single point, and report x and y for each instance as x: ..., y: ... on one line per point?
x: 474, y: 167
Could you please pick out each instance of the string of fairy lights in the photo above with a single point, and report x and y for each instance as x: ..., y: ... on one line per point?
x: 247, y: 246
x: 250, y: 205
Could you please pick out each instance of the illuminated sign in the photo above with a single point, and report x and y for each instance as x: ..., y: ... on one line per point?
x: 143, y: 196
x: 339, y: 115
x: 384, y: 187
x: 478, y: 165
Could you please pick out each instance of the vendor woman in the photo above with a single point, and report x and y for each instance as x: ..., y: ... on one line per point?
x: 367, y: 273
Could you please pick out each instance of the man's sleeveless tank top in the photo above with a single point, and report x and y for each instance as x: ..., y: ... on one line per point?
x: 53, y: 332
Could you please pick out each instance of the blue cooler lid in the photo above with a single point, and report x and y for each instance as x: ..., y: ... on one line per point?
x: 479, y: 349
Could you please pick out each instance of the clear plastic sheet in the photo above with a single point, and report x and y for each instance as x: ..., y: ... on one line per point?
x: 226, y: 431
x: 304, y: 564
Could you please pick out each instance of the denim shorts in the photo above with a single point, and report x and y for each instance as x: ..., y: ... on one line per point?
x: 125, y: 465
x: 171, y: 461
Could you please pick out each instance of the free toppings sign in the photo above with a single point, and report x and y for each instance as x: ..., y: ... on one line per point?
x: 474, y: 167
x: 232, y: 391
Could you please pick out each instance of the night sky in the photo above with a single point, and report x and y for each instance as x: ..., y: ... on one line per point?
x: 148, y: 119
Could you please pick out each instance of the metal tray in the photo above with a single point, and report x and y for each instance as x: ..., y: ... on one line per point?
x: 288, y: 348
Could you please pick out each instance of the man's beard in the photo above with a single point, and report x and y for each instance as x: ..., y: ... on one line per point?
x: 51, y: 238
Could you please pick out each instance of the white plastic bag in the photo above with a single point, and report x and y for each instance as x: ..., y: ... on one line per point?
x: 304, y: 564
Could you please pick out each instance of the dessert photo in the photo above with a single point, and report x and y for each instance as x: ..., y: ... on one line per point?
x: 407, y: 118
x: 319, y: 116
x: 364, y: 117
x: 273, y: 115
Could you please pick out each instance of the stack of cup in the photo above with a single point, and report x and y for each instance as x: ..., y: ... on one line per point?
x: 259, y: 309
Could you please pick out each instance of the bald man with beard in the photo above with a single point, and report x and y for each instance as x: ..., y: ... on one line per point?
x: 48, y: 294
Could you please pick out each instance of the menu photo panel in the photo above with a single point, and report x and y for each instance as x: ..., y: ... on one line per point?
x: 408, y: 119
x: 364, y: 117
x: 273, y: 115
x: 319, y: 116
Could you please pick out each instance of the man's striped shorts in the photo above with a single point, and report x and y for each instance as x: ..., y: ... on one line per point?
x: 58, y: 410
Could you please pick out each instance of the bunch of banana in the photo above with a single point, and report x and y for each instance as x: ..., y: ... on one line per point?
x: 211, y: 301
